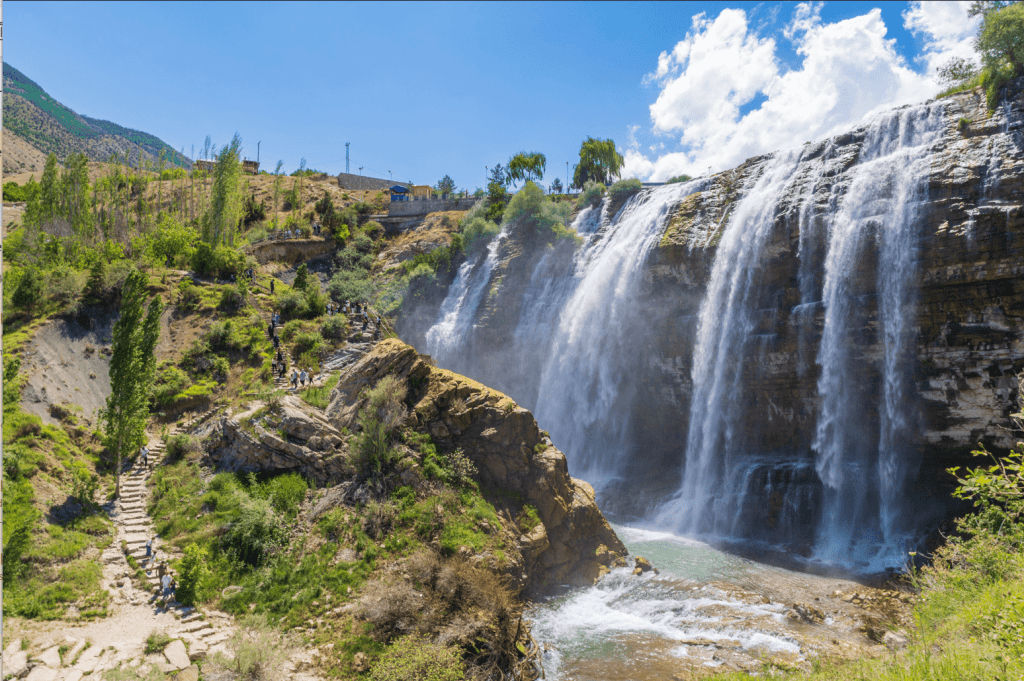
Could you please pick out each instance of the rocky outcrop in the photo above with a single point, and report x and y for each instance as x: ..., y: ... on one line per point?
x: 573, y: 544
x: 289, y: 250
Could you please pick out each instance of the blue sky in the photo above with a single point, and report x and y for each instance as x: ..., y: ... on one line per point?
x: 423, y: 89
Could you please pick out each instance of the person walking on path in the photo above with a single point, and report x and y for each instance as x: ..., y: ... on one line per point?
x: 149, y: 547
x: 271, y: 286
x: 144, y: 454
x: 165, y: 582
x: 295, y: 380
x: 302, y: 378
x: 284, y: 368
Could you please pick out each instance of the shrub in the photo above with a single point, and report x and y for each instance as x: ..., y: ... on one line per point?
x: 156, y: 642
x: 29, y: 291
x: 382, y: 413
x: 232, y: 298
x: 191, y: 572
x: 624, y: 188
x: 258, y: 653
x: 258, y: 532
x: 353, y: 285
x: 170, y: 381
x: 301, y: 278
x: 180, y: 445
x: 335, y: 328
x: 679, y: 178
x: 188, y: 295
x: 362, y: 208
x: 286, y: 492
x: 65, y: 285
x: 591, y: 195
x: 291, y: 304
x: 478, y: 228
x: 373, y: 229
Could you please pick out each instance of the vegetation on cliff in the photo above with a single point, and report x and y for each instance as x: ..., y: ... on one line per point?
x: 1000, y: 42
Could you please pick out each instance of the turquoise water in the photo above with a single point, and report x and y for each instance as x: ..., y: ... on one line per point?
x: 705, y: 608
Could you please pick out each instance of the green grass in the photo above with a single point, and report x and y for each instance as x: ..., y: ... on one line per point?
x: 320, y: 395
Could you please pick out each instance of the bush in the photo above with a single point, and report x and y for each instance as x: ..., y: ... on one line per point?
x: 373, y: 229
x: 354, y: 285
x: 592, y: 193
x: 170, y: 381
x: 258, y: 532
x: 292, y: 305
x: 232, y: 298
x: 29, y: 291
x: 382, y: 413
x: 362, y: 208
x: 335, y: 328
x: 679, y: 178
x: 624, y: 188
x: 65, y: 285
x: 191, y: 572
x: 188, y: 295
x: 308, y: 341
x: 258, y: 653
x: 180, y: 445
x: 478, y: 228
x: 156, y: 642
x: 301, y: 278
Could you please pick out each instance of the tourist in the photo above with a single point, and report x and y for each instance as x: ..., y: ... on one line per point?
x: 295, y: 380
x: 161, y: 570
x: 270, y: 330
x: 144, y: 453
x: 271, y: 286
x: 149, y: 547
x: 165, y: 582
x: 284, y: 369
x: 302, y: 378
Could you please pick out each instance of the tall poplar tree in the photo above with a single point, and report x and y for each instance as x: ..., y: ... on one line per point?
x: 132, y: 368
x: 225, y: 200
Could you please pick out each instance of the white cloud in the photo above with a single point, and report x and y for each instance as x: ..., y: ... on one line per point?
x: 947, y: 30
x: 849, y: 69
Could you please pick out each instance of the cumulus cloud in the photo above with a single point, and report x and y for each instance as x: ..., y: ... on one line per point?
x: 947, y: 30
x: 725, y: 96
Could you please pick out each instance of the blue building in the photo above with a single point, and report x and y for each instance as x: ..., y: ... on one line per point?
x: 399, y: 193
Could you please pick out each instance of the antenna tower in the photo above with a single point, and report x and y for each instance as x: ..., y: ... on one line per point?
x: 346, y: 157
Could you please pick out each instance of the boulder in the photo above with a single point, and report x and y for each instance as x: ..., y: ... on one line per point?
x: 50, y: 657
x: 177, y: 655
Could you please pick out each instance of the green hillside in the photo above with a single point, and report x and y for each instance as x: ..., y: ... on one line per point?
x: 54, y: 128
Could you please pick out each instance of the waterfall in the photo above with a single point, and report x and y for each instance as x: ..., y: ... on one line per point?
x: 446, y: 339
x: 878, y: 210
x: 706, y: 502
x: 585, y: 391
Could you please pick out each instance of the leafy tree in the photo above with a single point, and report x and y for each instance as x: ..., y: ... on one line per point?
x: 446, y: 185
x: 191, y: 573
x: 75, y: 192
x: 957, y: 71
x: 527, y: 166
x: 1001, y: 37
x: 132, y: 368
x: 49, y: 192
x: 29, y: 291
x: 172, y: 239
x: 301, y: 278
x: 679, y: 178
x: 225, y: 199
x: 598, y: 161
x: 556, y: 186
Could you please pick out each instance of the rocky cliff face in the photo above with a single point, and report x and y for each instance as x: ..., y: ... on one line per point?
x: 517, y: 464
x: 965, y: 318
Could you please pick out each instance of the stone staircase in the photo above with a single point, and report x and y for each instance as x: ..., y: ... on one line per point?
x: 200, y: 631
x: 359, y: 342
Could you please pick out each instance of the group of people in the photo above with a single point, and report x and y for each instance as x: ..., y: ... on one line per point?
x: 168, y: 585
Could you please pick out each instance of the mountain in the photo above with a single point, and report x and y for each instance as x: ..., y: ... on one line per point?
x: 34, y: 117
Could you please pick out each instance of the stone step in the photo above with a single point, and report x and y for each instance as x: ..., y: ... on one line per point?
x: 194, y: 627
x: 216, y: 638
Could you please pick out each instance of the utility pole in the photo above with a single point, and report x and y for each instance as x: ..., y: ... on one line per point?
x: 391, y: 176
x: 346, y: 157
x: 361, y: 170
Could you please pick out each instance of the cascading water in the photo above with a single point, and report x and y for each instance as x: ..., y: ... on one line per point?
x: 446, y: 338
x: 585, y: 383
x: 879, y: 209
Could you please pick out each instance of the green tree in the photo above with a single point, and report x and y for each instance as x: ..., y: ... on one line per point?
x: 598, y: 161
x: 29, y: 291
x: 446, y: 185
x: 132, y: 367
x: 171, y: 239
x: 277, y: 189
x: 75, y: 192
x: 1001, y: 36
x: 527, y: 166
x: 556, y: 186
x: 225, y: 196
x: 49, y: 192
x: 191, y: 572
x: 301, y: 278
